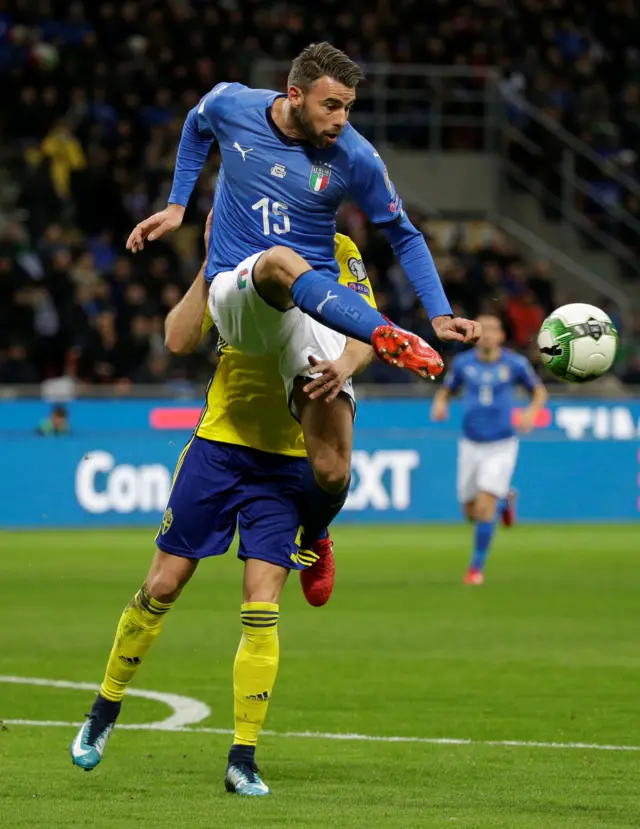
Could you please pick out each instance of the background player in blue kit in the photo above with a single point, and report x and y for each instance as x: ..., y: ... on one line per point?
x: 487, y: 452
x: 288, y: 160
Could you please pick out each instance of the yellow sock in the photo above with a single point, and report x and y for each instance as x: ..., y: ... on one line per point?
x: 139, y: 625
x: 255, y: 669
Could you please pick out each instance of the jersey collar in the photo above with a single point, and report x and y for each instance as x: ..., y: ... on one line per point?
x: 290, y: 142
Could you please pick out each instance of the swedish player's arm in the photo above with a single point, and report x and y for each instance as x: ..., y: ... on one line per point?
x: 184, y: 323
x: 377, y: 196
x: 198, y: 134
x: 335, y: 373
x: 187, y: 322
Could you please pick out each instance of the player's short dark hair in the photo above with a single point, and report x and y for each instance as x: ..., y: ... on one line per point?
x: 320, y: 59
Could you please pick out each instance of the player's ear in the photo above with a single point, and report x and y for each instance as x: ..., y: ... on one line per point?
x: 295, y: 96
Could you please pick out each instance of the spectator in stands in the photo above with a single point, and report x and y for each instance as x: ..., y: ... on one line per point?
x: 525, y: 317
x: 56, y: 424
x: 65, y: 156
x: 542, y: 285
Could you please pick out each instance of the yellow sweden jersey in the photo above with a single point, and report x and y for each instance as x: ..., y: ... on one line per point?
x: 246, y: 401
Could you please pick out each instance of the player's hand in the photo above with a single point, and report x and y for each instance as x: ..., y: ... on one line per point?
x: 207, y: 229
x: 439, y: 410
x: 333, y: 375
x: 456, y: 329
x: 155, y: 226
x: 526, y: 421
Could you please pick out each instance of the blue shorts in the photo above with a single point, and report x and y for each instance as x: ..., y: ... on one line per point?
x: 218, y: 486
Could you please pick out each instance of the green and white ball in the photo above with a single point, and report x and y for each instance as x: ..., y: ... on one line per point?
x: 578, y: 342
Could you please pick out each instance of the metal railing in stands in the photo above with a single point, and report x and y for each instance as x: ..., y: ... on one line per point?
x: 558, y: 257
x: 570, y: 152
x: 416, y: 104
x: 451, y: 107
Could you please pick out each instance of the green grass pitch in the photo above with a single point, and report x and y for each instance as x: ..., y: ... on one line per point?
x: 547, y: 651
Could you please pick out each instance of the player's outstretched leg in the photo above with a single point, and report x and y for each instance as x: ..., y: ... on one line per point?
x: 138, y: 628
x: 484, y: 516
x: 254, y: 673
x: 282, y: 277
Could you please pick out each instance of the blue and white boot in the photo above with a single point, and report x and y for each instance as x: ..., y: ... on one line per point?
x: 88, y: 747
x: 242, y: 775
x: 244, y: 778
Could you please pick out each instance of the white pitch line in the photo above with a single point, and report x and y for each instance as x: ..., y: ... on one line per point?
x: 369, y: 738
x: 187, y: 710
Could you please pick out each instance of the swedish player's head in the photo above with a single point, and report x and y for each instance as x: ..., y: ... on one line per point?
x: 493, y: 333
x: 321, y: 91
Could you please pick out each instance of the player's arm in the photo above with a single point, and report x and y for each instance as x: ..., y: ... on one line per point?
x: 539, y: 396
x: 356, y: 355
x: 198, y: 134
x: 376, y: 195
x: 190, y: 320
x: 452, y: 382
x: 335, y: 373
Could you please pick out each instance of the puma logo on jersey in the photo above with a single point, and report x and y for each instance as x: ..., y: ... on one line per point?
x: 242, y: 152
x: 325, y: 300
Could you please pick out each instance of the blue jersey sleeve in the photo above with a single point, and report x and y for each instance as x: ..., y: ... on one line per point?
x: 376, y: 195
x: 372, y: 188
x: 453, y: 378
x: 198, y: 134
x: 525, y: 374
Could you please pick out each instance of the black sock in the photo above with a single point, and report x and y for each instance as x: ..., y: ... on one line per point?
x: 242, y: 754
x: 319, y: 508
x: 104, y: 709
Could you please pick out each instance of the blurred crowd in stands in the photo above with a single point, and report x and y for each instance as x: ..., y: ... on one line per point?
x: 94, y: 96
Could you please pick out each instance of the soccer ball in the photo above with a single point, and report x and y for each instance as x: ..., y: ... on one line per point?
x: 577, y: 342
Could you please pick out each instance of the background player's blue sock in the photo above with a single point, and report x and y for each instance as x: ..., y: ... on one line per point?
x: 319, y: 508
x: 502, y: 504
x: 484, y: 534
x: 336, y: 306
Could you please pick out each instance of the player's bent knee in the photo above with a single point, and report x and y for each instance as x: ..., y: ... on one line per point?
x: 280, y: 264
x: 469, y: 511
x: 164, y: 588
x: 485, y: 507
x: 168, y: 575
x: 331, y: 473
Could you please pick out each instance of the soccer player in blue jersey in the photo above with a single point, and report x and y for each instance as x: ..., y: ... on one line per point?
x: 288, y: 160
x: 487, y: 452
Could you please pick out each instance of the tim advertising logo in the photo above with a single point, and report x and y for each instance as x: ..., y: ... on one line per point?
x: 597, y: 422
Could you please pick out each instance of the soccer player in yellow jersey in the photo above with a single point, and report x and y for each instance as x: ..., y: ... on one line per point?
x: 244, y: 465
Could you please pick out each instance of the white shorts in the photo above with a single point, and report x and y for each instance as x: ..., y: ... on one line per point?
x: 485, y: 467
x: 248, y: 324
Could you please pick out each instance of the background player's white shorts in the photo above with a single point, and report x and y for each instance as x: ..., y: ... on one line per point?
x: 485, y: 467
x: 248, y: 324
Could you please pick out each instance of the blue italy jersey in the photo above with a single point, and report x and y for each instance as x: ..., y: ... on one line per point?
x: 488, y: 392
x: 273, y: 190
